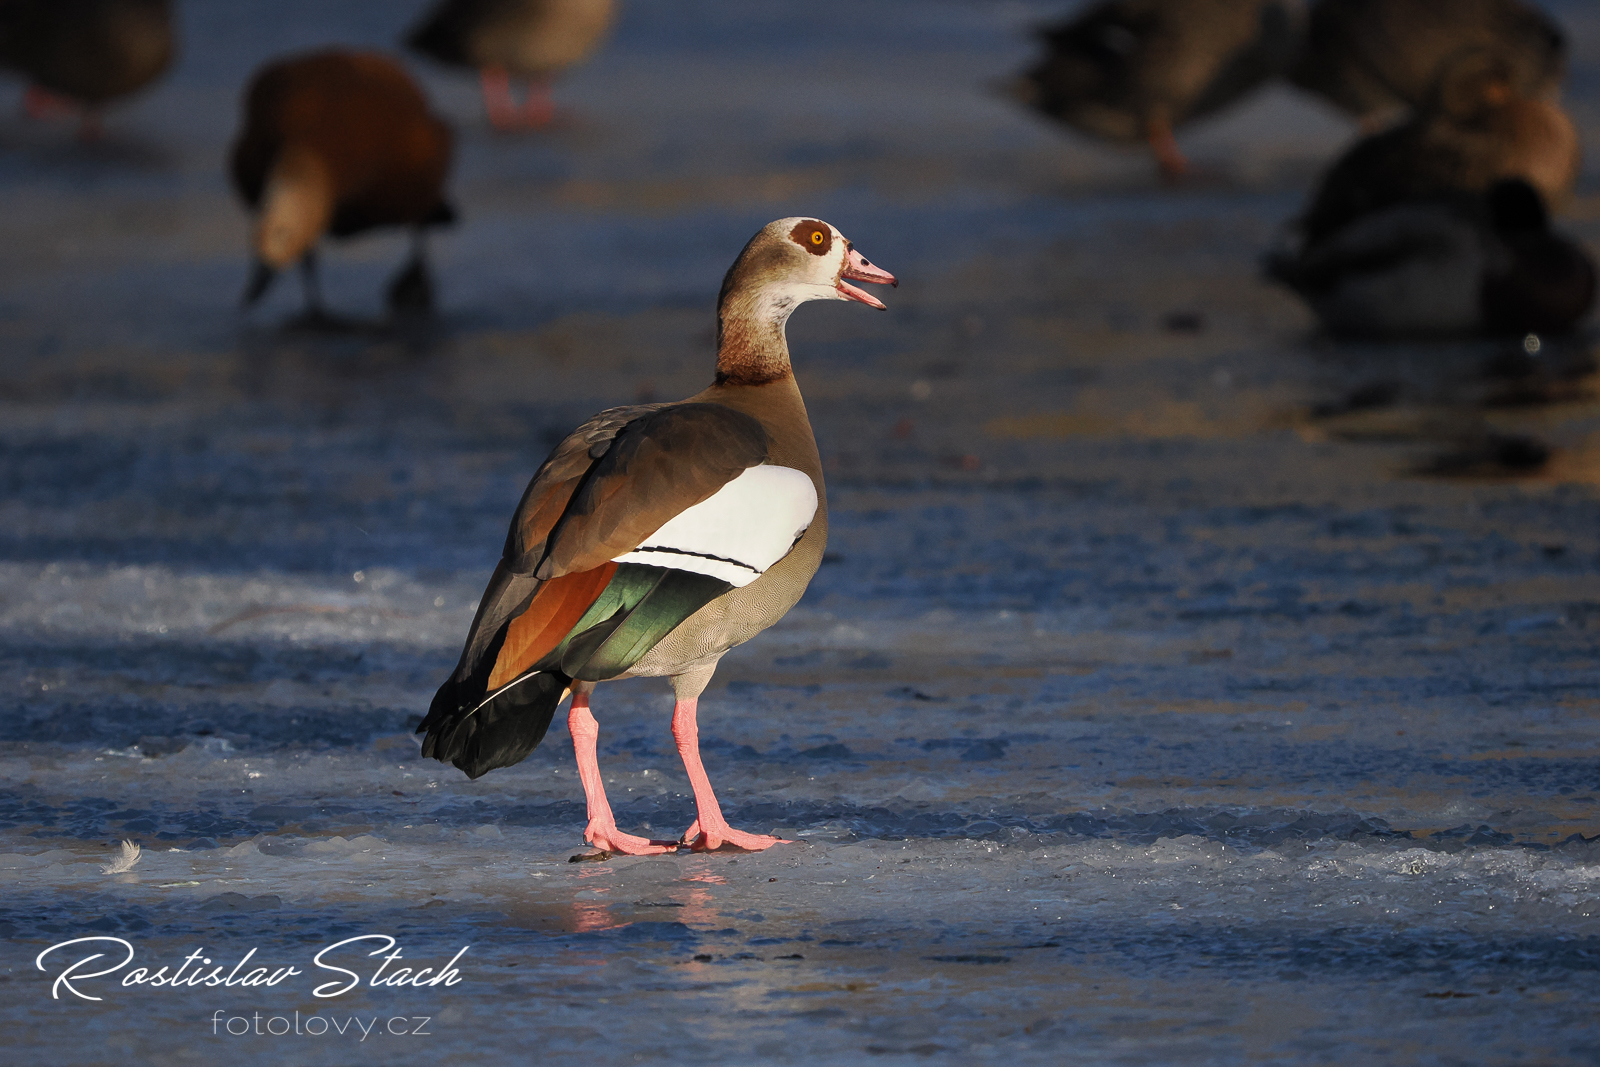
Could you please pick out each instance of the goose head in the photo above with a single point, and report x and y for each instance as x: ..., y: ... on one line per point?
x: 794, y: 260
x: 787, y: 263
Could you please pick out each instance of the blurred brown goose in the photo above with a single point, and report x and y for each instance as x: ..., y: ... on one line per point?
x: 1373, y: 57
x: 1475, y: 129
x: 83, y: 54
x: 1135, y: 70
x: 1456, y: 265
x: 502, y: 39
x: 339, y: 143
x: 654, y: 539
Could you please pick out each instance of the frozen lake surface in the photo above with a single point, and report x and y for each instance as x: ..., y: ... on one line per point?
x: 1180, y: 688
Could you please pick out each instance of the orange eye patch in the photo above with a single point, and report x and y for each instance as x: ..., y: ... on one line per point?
x: 815, y: 237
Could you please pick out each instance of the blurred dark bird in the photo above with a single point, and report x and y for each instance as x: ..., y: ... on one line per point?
x: 1373, y: 58
x: 1136, y: 70
x: 79, y: 55
x: 1486, y: 264
x: 1537, y: 280
x: 654, y: 539
x: 1475, y: 129
x: 501, y: 39
x: 339, y: 143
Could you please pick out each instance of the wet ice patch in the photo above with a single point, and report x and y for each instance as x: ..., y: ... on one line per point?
x: 83, y: 599
x: 338, y: 846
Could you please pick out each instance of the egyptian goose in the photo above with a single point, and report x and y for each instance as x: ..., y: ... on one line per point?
x: 655, y: 538
x: 339, y: 143
x: 1475, y: 129
x: 1486, y: 264
x: 1374, y: 57
x: 501, y: 39
x: 1135, y: 70
x: 81, y: 54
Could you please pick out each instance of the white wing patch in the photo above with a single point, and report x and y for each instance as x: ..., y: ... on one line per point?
x: 739, y: 531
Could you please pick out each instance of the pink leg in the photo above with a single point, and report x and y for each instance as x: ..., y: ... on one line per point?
x: 539, y: 108
x: 710, y: 830
x: 40, y: 103
x: 497, y: 100
x: 602, y: 830
x: 1169, y: 157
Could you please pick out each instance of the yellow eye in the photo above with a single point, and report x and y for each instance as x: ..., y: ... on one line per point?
x: 816, y: 237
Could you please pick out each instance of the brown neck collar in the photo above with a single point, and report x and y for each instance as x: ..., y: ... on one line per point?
x: 751, y: 346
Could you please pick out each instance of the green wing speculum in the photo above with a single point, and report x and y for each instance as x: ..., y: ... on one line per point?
x: 639, y: 607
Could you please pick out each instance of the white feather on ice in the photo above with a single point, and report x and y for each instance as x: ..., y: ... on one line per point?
x: 123, y: 863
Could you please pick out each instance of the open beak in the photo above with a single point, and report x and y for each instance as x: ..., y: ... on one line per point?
x: 858, y: 268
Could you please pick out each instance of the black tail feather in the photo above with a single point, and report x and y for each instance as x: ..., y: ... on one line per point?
x: 480, y: 736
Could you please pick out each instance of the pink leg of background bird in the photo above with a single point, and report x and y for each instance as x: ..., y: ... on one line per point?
x: 40, y: 103
x: 602, y: 830
x: 497, y: 101
x: 709, y: 830
x: 1169, y: 157
x: 539, y: 107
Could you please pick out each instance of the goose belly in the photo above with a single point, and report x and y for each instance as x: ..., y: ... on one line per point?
x: 747, y: 609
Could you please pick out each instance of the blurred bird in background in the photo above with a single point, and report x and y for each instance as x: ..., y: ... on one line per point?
x: 1440, y: 225
x: 1455, y: 265
x: 533, y: 40
x: 80, y: 55
x: 1377, y: 59
x: 1137, y: 70
x: 1475, y: 128
x: 339, y: 143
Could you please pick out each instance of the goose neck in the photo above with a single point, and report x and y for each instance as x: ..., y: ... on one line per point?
x: 752, y: 346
